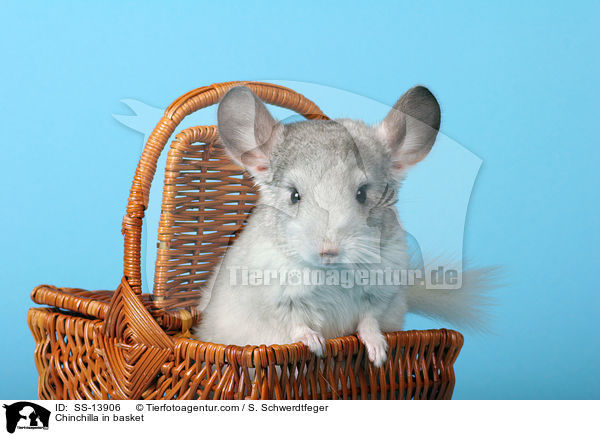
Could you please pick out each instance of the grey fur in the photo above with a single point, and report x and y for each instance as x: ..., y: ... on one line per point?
x: 326, y: 162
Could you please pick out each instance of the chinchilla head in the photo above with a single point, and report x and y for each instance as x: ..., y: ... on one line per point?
x: 329, y: 185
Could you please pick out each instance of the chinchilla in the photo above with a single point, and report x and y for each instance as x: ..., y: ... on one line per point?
x: 326, y: 207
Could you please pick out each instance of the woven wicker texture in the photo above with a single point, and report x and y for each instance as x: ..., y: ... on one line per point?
x: 124, y: 345
x: 206, y: 200
x: 71, y: 366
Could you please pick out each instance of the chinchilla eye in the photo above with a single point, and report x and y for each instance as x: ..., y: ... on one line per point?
x: 295, y: 197
x: 361, y: 194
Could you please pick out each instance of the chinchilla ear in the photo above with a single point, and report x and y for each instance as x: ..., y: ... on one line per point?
x: 247, y: 130
x: 409, y: 130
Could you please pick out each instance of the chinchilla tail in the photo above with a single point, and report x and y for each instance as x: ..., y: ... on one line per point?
x: 466, y: 307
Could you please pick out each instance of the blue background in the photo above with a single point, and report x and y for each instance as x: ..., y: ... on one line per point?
x: 517, y: 83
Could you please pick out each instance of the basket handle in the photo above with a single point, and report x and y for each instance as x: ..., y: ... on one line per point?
x: 174, y: 114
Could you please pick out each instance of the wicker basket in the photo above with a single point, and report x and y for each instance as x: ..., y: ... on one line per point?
x: 127, y: 345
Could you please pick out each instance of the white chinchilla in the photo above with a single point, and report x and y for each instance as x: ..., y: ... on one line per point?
x: 327, y: 194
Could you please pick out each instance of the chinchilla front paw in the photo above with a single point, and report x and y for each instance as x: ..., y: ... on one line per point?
x: 376, y: 345
x: 377, y: 351
x: 312, y: 339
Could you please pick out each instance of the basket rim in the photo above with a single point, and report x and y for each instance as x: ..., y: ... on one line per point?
x: 282, y: 354
x: 350, y: 345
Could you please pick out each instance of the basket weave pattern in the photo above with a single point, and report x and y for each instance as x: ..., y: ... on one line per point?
x: 206, y: 200
x: 123, y: 344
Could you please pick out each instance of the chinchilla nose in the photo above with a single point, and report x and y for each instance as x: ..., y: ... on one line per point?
x: 329, y: 249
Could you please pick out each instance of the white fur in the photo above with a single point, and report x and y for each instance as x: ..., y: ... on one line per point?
x: 325, y: 162
x: 245, y: 314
